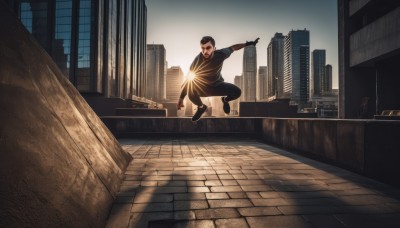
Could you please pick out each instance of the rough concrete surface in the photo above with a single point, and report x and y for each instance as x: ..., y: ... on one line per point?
x: 59, y: 165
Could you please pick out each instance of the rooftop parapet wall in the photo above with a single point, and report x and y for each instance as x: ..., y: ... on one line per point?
x: 133, y: 126
x: 369, y: 147
x: 59, y: 165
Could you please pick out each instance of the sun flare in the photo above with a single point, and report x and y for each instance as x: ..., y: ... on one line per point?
x: 190, y: 76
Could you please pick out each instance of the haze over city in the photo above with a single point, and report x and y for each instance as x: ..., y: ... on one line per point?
x: 180, y: 24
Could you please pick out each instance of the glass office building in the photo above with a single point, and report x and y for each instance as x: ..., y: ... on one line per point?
x: 99, y: 45
x: 275, y: 66
x: 249, y: 73
x: 296, y: 67
x: 317, y: 72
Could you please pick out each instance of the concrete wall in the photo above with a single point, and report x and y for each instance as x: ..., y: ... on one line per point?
x: 369, y: 47
x: 388, y: 80
x: 105, y: 106
x: 59, y: 165
x: 381, y: 151
x: 376, y: 39
x: 356, y: 5
x: 132, y: 126
x: 278, y: 108
x: 147, y: 112
x: 368, y: 147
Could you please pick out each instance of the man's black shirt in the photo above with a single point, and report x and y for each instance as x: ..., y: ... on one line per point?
x: 208, y: 71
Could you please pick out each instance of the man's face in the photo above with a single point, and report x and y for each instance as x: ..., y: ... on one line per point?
x: 207, y: 50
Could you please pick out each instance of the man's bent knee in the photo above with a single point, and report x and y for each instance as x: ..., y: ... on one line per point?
x: 237, y: 93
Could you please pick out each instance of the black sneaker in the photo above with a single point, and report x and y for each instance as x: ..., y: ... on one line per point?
x: 227, y: 108
x: 199, y: 113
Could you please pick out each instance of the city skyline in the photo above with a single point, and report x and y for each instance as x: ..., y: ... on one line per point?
x: 179, y: 25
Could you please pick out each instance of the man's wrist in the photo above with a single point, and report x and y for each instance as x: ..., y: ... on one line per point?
x: 248, y: 43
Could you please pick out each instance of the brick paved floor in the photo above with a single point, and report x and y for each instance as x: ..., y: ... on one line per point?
x: 222, y: 182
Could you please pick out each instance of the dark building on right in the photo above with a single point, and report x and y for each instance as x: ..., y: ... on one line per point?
x: 369, y: 57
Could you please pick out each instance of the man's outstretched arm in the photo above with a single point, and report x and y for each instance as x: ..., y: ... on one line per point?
x: 240, y: 46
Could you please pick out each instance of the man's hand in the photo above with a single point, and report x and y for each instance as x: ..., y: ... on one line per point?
x: 180, y: 104
x: 248, y: 43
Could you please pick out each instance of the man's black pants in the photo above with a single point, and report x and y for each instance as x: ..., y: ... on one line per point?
x: 195, y: 91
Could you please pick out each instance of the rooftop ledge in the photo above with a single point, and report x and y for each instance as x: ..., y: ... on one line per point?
x: 370, y: 147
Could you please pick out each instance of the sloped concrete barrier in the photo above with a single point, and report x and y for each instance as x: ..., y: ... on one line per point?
x: 59, y: 165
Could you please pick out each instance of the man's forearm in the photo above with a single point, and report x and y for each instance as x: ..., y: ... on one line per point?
x: 237, y: 46
x: 240, y: 46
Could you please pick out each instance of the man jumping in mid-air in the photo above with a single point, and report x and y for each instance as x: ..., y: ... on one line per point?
x: 207, y: 80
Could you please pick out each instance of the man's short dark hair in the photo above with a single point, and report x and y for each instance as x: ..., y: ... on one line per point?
x: 207, y: 39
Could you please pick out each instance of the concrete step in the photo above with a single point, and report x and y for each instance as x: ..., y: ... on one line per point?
x: 124, y: 126
x: 144, y: 112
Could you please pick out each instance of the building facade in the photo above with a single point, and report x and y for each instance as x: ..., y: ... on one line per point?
x: 327, y: 80
x: 98, y: 45
x: 317, y: 72
x: 369, y: 56
x: 296, y: 67
x: 238, y: 81
x: 249, y: 73
x: 174, y: 79
x: 262, y: 83
x: 156, y: 72
x: 275, y: 66
x: 217, y: 106
x: 326, y: 106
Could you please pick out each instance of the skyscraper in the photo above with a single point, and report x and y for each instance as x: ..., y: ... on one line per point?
x: 317, y: 72
x: 249, y: 73
x: 275, y: 66
x: 304, y: 76
x: 174, y: 80
x: 156, y: 65
x: 327, y: 80
x: 238, y: 81
x: 262, y: 83
x: 296, y: 67
x: 216, y: 104
x: 99, y: 45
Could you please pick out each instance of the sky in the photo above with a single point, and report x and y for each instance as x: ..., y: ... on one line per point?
x: 180, y: 24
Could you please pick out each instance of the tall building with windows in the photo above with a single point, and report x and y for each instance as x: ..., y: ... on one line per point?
x: 175, y: 78
x: 317, y: 72
x: 296, y: 67
x: 304, y: 93
x: 249, y: 73
x: 156, y: 72
x: 327, y: 80
x: 262, y: 83
x: 238, y: 81
x: 98, y: 45
x: 275, y: 66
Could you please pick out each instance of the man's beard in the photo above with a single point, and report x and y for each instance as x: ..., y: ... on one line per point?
x: 208, y: 56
